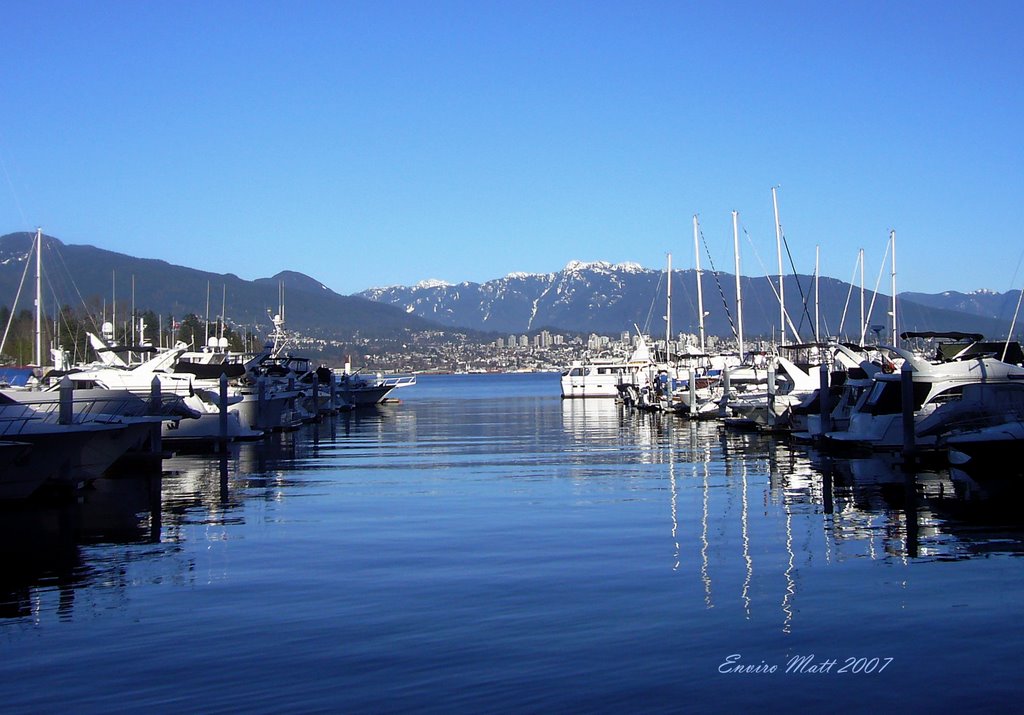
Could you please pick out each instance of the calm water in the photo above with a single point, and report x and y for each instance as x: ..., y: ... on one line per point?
x: 485, y: 547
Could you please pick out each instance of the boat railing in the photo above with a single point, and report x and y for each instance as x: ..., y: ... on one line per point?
x: 399, y: 380
x: 102, y: 408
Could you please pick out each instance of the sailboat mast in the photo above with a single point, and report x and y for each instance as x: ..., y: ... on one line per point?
x: 817, y: 263
x: 668, y: 312
x: 739, y: 290
x: 113, y: 304
x: 38, y: 357
x: 700, y: 293
x: 863, y: 327
x: 206, y: 337
x: 778, y: 248
x: 895, y: 333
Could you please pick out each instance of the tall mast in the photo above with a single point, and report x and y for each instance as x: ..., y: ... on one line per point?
x: 206, y: 336
x: 817, y: 262
x: 700, y: 293
x: 134, y: 339
x: 739, y: 291
x: 863, y: 327
x: 113, y: 304
x: 778, y: 248
x: 895, y: 333
x: 668, y: 312
x: 38, y: 357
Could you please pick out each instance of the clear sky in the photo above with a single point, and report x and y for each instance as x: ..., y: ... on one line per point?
x: 380, y: 143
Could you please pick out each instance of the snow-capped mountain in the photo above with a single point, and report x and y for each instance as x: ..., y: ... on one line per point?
x: 582, y: 296
x: 609, y: 298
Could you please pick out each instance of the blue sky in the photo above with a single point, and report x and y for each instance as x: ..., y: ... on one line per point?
x: 381, y: 143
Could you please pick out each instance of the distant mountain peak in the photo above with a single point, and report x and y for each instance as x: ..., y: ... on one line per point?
x: 521, y: 275
x: 602, y: 267
x: 433, y: 283
x: 299, y: 281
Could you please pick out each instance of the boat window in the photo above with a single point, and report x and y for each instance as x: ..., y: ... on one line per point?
x: 576, y: 372
x: 950, y: 395
x: 886, y: 397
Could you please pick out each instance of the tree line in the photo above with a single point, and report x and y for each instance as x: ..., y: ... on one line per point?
x: 69, y: 331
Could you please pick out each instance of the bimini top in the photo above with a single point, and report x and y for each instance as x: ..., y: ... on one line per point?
x: 952, y: 335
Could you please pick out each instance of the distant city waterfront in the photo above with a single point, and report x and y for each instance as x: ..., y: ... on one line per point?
x: 544, y: 351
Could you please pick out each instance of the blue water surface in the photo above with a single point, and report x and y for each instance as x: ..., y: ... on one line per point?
x: 485, y: 546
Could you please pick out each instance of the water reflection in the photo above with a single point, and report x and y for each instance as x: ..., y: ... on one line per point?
x: 747, y: 515
x: 769, y: 511
x: 49, y: 550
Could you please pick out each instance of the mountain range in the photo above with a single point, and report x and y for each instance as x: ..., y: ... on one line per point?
x: 96, y: 279
x: 603, y: 298
x: 581, y: 298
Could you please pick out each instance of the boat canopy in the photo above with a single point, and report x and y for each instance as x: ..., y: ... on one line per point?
x: 951, y: 335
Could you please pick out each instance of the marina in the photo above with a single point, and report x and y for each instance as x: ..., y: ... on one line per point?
x: 487, y: 546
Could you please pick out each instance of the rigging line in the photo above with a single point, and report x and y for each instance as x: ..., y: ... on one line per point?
x: 85, y: 308
x: 718, y: 283
x: 775, y: 291
x: 60, y: 313
x: 1013, y: 323
x: 874, y: 293
x: 10, y: 185
x: 654, y: 298
x: 14, y: 305
x: 849, y: 293
x: 1016, y: 311
x: 1013, y: 282
x: 688, y: 296
x: 760, y: 303
x: 799, y: 287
